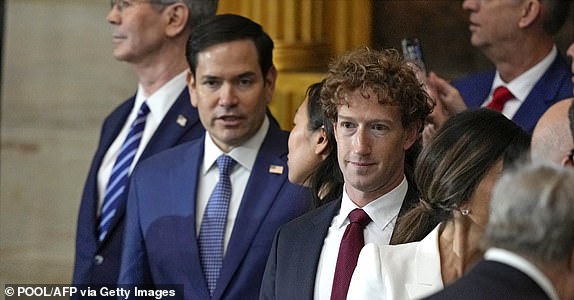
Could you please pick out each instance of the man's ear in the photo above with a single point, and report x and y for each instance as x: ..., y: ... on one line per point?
x: 531, y: 10
x: 191, y: 86
x: 567, y: 162
x: 412, y: 134
x: 176, y: 16
x: 321, y: 143
x: 270, y: 79
x: 335, y: 131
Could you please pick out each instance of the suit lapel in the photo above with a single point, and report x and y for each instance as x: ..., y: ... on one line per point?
x: 180, y: 118
x: 254, y: 207
x: 312, y: 245
x: 168, y: 134
x: 475, y: 90
x: 542, y: 96
x: 191, y: 264
x: 410, y: 200
x: 428, y: 278
x: 110, y: 130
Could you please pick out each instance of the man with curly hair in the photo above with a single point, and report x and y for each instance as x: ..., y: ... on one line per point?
x: 378, y: 110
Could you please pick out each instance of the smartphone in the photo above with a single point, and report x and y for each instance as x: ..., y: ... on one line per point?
x: 413, y: 52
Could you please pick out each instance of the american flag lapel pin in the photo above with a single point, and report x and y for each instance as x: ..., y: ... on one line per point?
x: 275, y: 169
x: 181, y: 120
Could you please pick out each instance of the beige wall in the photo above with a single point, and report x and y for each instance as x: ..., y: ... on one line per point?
x: 60, y: 81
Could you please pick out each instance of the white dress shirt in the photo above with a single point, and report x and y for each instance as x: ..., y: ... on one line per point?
x: 245, y: 156
x: 383, y: 213
x: 516, y: 261
x: 521, y: 86
x: 159, y: 104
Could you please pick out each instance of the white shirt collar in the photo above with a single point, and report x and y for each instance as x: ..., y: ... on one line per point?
x: 244, y: 155
x: 521, y: 86
x: 161, y: 101
x: 382, y: 210
x: 518, y: 262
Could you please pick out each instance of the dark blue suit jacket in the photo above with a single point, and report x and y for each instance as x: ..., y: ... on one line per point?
x: 552, y: 87
x: 161, y: 241
x: 96, y: 262
x: 293, y: 261
x: 492, y: 280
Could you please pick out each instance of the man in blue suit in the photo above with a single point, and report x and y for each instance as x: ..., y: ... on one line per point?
x: 517, y: 37
x: 169, y: 233
x: 151, y: 37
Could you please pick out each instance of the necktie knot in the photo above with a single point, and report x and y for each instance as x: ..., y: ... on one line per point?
x: 225, y: 164
x: 500, y: 96
x: 144, y: 110
x: 359, y: 216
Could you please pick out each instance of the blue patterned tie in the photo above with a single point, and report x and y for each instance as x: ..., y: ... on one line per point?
x: 120, y: 172
x: 213, y: 224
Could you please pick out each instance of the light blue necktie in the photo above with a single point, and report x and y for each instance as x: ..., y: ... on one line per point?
x: 212, y: 228
x: 120, y: 172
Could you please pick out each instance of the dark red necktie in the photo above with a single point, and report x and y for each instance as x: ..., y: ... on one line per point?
x: 349, y: 250
x: 500, y: 96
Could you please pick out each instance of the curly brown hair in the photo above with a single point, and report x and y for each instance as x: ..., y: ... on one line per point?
x: 386, y: 75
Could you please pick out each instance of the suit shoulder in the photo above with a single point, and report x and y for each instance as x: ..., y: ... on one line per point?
x: 172, y: 157
x: 321, y: 215
x: 472, y: 78
x: 278, y: 136
x: 121, y: 109
x: 275, y: 143
x: 398, y: 255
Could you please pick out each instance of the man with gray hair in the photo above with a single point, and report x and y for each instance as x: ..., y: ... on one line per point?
x: 530, y: 239
x: 529, y: 73
x: 151, y: 36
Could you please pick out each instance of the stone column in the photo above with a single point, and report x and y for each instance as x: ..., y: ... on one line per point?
x: 307, y: 33
x: 349, y: 24
x: 296, y: 26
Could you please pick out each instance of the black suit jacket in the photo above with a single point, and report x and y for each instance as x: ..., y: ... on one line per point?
x: 292, y: 263
x: 99, y: 263
x: 492, y: 280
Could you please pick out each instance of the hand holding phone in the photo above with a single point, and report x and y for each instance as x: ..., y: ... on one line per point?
x: 413, y: 52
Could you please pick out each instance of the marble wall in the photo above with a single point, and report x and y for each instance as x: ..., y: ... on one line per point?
x: 59, y: 82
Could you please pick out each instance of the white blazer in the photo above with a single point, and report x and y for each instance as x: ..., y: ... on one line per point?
x: 397, y: 272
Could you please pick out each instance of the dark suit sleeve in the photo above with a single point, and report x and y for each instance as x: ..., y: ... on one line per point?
x: 134, y: 268
x: 268, y: 283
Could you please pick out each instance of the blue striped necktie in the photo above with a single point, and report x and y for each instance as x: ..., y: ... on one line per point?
x: 120, y: 173
x: 212, y: 229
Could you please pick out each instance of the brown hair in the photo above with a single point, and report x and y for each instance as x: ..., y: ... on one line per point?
x: 386, y: 75
x: 450, y: 168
